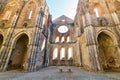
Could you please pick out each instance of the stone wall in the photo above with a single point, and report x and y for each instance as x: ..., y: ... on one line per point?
x: 14, y: 23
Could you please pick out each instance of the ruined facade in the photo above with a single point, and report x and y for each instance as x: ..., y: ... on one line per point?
x: 23, y: 34
x: 62, y: 42
x: 29, y: 40
x: 97, y: 25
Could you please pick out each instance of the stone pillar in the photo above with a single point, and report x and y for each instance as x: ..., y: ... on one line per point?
x: 59, y: 48
x: 116, y: 20
x: 115, y: 17
x: 6, y: 50
x: 33, y: 52
x: 78, y: 52
x: 6, y: 61
x: 26, y: 57
x: 91, y: 44
x: 6, y: 55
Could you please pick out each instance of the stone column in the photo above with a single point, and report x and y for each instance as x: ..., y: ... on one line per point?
x: 33, y: 52
x: 91, y: 44
x: 37, y: 49
x: 116, y: 20
x: 28, y: 59
x: 6, y: 55
x: 6, y: 49
x: 78, y: 52
x: 59, y: 48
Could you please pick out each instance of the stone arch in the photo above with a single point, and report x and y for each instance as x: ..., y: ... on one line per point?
x: 70, y: 53
x: 62, y: 53
x: 29, y: 14
x: 110, y: 33
x: 18, y: 56
x: 68, y: 39
x: 57, y: 39
x: 63, y: 56
x: 18, y: 36
x: 107, y: 49
x: 55, y: 53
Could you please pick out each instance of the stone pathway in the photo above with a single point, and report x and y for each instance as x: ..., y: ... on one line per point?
x: 52, y: 73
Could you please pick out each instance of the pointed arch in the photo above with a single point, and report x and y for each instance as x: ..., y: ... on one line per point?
x: 62, y: 53
x: 19, y: 35
x: 110, y: 33
x: 108, y: 49
x: 29, y: 14
x: 57, y: 39
x: 68, y: 39
x: 10, y: 8
x: 62, y: 39
x: 18, y: 56
x: 55, y: 53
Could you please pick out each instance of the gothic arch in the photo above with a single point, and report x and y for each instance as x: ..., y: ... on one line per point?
x: 110, y: 33
x: 18, y: 57
x: 55, y: 53
x: 32, y: 1
x: 108, y: 49
x: 29, y: 14
x: 70, y: 53
x: 62, y: 53
x: 18, y: 35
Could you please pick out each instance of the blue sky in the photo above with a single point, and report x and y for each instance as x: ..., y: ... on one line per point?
x: 62, y: 7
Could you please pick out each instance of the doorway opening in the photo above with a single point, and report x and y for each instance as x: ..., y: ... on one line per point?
x: 19, y: 53
x: 108, y: 52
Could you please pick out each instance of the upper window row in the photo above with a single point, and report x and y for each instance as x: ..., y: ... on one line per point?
x: 62, y: 39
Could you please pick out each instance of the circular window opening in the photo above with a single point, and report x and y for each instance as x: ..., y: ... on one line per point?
x: 63, y: 29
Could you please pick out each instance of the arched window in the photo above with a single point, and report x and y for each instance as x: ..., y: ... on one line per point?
x: 96, y: 12
x: 62, y: 39
x: 30, y: 15
x: 44, y: 19
x: 43, y: 45
x: 68, y: 39
x: 70, y: 53
x: 55, y: 53
x: 57, y: 39
x: 62, y: 53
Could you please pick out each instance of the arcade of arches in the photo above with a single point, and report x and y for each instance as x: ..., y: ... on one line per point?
x: 63, y: 41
